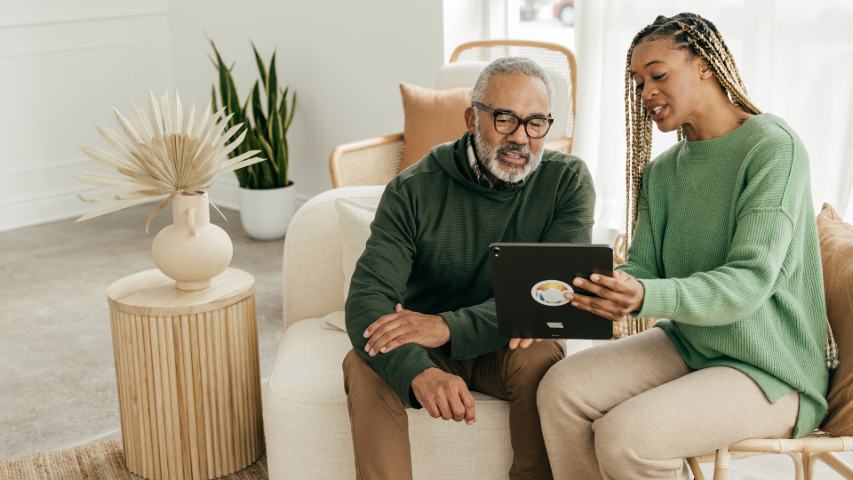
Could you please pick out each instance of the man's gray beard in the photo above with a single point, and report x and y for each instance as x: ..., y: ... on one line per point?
x: 505, y: 171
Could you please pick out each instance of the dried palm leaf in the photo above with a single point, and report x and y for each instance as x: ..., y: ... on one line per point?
x: 164, y: 153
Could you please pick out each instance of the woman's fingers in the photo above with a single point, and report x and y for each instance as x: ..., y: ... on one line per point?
x: 601, y: 307
x: 618, y: 295
x: 612, y: 283
x: 614, y: 296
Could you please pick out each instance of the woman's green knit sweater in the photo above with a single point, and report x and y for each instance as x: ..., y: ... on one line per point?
x: 726, y: 247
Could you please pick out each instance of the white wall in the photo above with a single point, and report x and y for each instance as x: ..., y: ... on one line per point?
x: 464, y: 21
x: 345, y: 60
x: 63, y: 66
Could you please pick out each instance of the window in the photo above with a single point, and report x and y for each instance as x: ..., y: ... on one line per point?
x: 541, y: 20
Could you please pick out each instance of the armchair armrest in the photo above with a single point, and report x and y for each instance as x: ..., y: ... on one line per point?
x: 367, y: 162
x: 562, y: 144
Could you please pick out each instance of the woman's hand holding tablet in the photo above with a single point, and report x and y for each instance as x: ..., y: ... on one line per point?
x: 618, y: 295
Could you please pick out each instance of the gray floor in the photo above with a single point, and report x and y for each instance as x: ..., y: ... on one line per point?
x: 57, y: 378
x: 57, y: 381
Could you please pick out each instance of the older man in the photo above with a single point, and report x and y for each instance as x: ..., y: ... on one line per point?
x: 420, y: 311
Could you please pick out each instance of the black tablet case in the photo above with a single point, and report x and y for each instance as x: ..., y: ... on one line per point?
x: 517, y: 267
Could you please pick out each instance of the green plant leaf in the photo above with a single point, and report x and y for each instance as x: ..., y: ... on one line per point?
x: 272, y: 87
x: 213, y: 98
x: 233, y: 105
x: 265, y: 131
x: 257, y: 109
x: 224, y: 77
x: 282, y: 107
x: 286, y: 113
x: 283, y: 162
x: 246, y: 145
x: 262, y: 70
x: 292, y: 111
x: 267, y: 174
x: 276, y: 142
x: 266, y: 147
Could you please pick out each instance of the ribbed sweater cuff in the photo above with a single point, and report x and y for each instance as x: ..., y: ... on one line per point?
x: 660, y: 300
x: 458, y: 334
x: 408, y: 372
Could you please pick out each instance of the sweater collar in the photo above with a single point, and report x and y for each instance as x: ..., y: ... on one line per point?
x: 458, y: 166
x: 711, y: 147
x: 478, y: 169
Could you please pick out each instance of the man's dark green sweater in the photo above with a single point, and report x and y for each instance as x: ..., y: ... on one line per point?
x: 428, y: 250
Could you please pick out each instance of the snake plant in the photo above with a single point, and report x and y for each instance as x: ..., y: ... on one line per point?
x: 266, y: 115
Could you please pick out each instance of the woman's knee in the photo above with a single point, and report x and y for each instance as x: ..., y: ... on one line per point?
x: 616, y: 437
x: 577, y: 377
x: 563, y: 385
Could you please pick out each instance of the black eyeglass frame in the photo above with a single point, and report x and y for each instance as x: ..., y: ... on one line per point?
x: 519, y: 121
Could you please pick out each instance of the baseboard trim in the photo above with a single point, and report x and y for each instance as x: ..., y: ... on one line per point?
x: 64, y: 205
x: 47, y: 208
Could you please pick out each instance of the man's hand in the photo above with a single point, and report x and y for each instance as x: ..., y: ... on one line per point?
x: 405, y: 326
x: 444, y: 395
x: 620, y: 295
x: 522, y: 342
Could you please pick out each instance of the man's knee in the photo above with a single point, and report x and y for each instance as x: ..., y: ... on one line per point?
x: 526, y: 367
x: 352, y: 367
x: 361, y: 382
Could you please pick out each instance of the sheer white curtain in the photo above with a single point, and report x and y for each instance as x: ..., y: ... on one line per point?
x: 795, y: 57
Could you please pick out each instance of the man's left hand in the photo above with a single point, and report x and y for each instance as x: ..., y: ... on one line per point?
x: 522, y: 342
x: 405, y: 326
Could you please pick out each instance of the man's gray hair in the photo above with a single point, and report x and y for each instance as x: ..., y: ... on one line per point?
x: 511, y: 66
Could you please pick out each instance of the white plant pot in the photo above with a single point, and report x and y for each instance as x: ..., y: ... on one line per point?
x: 266, y: 213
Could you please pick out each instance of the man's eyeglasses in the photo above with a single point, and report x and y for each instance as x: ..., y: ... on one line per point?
x: 507, y: 122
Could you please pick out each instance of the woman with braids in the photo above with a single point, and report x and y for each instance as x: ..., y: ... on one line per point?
x: 725, y: 248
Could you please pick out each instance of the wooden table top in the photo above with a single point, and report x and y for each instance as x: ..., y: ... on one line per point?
x: 152, y: 292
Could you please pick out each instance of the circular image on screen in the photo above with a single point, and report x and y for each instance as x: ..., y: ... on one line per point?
x: 551, y: 293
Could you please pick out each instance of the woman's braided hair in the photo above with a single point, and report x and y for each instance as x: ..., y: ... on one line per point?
x: 700, y: 38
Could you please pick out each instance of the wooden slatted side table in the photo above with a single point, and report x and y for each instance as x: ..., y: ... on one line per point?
x: 187, y: 374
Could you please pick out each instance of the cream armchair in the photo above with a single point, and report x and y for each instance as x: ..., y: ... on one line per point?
x: 306, y: 423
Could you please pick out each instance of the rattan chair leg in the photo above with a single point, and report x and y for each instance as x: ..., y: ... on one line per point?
x: 807, y: 463
x: 694, y: 467
x: 799, y: 465
x: 833, y: 462
x: 721, y: 464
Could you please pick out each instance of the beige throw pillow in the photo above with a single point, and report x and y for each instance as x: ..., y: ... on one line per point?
x: 432, y: 117
x: 336, y: 320
x: 354, y: 219
x: 836, y: 251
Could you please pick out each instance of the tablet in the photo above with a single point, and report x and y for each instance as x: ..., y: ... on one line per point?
x: 530, y: 281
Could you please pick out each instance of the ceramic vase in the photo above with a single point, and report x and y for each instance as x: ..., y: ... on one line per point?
x: 192, y: 250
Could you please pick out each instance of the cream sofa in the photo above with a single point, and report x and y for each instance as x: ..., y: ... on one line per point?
x: 306, y: 423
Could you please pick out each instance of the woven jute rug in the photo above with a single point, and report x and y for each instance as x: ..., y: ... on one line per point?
x: 95, y: 461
